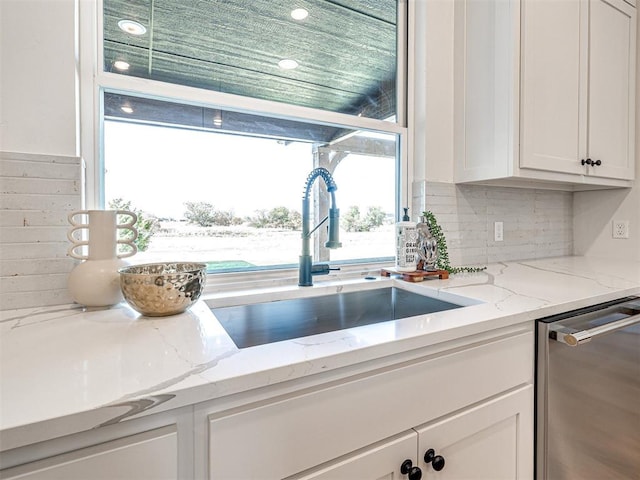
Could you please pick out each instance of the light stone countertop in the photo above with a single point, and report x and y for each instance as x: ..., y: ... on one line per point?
x: 66, y: 369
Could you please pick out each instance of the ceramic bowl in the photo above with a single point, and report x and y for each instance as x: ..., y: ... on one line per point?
x: 160, y: 289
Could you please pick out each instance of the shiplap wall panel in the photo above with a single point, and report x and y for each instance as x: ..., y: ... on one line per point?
x: 30, y: 234
x: 24, y: 218
x: 37, y: 192
x: 22, y: 185
x: 10, y: 267
x: 537, y: 223
x: 32, y: 251
x: 26, y: 165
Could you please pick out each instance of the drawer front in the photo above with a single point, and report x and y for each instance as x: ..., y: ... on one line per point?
x: 150, y: 455
x: 298, y: 432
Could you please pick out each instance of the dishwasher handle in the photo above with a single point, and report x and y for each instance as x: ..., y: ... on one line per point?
x: 584, y: 336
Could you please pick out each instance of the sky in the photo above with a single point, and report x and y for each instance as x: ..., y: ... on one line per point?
x: 158, y: 169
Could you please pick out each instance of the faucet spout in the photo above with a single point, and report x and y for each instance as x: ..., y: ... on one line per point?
x: 307, y: 269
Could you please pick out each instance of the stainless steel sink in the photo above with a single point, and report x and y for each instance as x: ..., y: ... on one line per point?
x: 267, y: 322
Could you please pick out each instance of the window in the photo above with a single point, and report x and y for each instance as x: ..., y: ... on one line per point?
x: 205, y: 135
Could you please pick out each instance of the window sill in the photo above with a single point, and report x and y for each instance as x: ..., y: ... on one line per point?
x: 231, y: 283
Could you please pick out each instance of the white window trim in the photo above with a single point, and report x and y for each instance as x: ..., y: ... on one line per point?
x: 93, y: 81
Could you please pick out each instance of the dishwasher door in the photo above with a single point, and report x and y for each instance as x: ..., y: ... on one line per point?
x: 588, y: 394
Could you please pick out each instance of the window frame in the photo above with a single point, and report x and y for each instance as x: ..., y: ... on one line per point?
x: 94, y: 81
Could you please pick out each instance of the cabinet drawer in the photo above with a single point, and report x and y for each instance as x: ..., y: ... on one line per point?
x: 150, y: 455
x: 300, y: 431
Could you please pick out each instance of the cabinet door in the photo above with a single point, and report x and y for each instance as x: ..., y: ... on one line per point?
x: 553, y: 95
x: 149, y: 455
x: 491, y: 441
x: 378, y: 462
x: 612, y: 30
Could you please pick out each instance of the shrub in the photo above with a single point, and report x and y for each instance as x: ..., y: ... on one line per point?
x: 147, y: 224
x: 205, y: 215
x: 278, y: 217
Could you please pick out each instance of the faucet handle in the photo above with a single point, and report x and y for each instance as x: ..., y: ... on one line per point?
x: 322, y: 269
x: 334, y: 229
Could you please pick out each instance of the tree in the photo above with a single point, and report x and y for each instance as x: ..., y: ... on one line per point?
x: 353, y: 222
x: 199, y: 213
x: 205, y: 214
x: 374, y: 217
x: 147, y: 224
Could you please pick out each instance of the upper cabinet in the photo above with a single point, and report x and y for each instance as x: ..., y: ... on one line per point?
x: 545, y: 93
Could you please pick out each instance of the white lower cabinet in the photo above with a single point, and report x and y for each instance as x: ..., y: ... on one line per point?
x: 150, y: 455
x: 469, y: 400
x: 489, y: 441
x: 473, y: 405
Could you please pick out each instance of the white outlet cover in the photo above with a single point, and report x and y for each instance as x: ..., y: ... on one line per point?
x: 620, y: 229
x: 498, y: 231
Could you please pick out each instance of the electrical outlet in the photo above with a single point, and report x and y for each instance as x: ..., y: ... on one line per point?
x: 620, y: 229
x: 498, y: 231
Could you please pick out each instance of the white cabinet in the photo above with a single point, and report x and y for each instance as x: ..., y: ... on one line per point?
x: 149, y: 455
x: 488, y: 441
x: 545, y: 93
x: 611, y: 88
x: 153, y: 446
x: 552, y: 66
x: 476, y: 390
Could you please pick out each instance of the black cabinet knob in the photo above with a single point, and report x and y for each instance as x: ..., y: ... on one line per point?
x: 590, y: 162
x: 413, y: 473
x: 436, y: 461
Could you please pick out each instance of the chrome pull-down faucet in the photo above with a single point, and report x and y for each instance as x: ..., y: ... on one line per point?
x: 307, y: 269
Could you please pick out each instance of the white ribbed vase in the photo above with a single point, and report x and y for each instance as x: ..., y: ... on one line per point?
x: 96, y: 282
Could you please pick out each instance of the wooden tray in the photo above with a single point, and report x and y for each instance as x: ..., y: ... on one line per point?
x: 417, y: 276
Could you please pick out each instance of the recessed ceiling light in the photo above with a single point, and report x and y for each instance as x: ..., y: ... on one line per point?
x: 299, y: 13
x: 121, y: 65
x: 132, y: 27
x: 287, y: 64
x: 126, y: 108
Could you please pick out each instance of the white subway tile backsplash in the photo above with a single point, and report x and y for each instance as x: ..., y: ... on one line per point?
x: 37, y: 192
x: 537, y: 223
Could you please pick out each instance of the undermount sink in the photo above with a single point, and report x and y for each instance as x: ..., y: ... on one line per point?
x: 274, y: 321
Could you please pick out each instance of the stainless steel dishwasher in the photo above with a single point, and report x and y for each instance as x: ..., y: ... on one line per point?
x: 588, y: 393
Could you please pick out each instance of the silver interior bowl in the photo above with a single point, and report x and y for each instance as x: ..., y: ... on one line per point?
x: 160, y: 289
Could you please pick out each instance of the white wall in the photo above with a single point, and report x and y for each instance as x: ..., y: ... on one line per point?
x: 38, y: 83
x: 594, y: 211
x: 39, y: 165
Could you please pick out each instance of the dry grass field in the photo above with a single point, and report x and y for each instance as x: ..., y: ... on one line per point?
x: 248, y: 246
